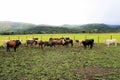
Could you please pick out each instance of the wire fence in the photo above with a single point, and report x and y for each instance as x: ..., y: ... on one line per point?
x: 45, y: 37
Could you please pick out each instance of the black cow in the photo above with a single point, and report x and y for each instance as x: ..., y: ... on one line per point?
x: 88, y: 42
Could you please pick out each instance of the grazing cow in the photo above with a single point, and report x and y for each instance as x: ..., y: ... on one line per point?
x: 30, y: 42
x: 40, y: 43
x: 67, y: 41
x: 49, y: 43
x: 57, y: 41
x: 13, y: 44
x: 111, y: 41
x: 88, y: 42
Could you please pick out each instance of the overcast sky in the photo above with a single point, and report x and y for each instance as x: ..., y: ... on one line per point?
x: 59, y: 12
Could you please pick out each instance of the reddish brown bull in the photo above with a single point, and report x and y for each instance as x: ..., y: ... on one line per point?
x: 13, y: 44
x: 57, y: 41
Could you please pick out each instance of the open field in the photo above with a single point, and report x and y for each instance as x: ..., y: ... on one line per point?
x: 99, y: 38
x: 61, y: 63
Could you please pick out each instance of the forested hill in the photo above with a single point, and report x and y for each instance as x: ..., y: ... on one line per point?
x: 7, y: 27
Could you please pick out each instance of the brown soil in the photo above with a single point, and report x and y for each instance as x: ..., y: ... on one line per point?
x: 92, y: 71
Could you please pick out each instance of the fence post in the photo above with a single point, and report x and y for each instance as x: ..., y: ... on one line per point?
x: 98, y: 38
x: 18, y: 37
x: 9, y: 37
x: 51, y: 36
x: 74, y: 38
x: 111, y: 37
x: 85, y: 36
x: 41, y: 37
x: 26, y: 37
x: 62, y: 36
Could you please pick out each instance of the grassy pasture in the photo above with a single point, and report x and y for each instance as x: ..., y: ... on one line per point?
x: 99, y: 38
x: 61, y: 63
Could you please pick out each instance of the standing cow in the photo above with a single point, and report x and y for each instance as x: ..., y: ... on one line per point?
x: 30, y: 42
x: 88, y: 42
x: 108, y: 42
x: 78, y: 42
x: 13, y: 44
x: 40, y: 43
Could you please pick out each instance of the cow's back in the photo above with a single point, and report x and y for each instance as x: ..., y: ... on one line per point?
x: 11, y: 43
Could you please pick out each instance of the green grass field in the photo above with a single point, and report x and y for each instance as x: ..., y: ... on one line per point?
x: 61, y: 63
x: 99, y: 38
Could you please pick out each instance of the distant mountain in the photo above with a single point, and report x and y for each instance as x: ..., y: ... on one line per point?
x: 113, y: 26
x: 7, y: 27
x: 48, y: 29
x: 99, y: 28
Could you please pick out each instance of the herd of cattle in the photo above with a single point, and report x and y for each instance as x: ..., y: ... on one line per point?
x: 53, y: 42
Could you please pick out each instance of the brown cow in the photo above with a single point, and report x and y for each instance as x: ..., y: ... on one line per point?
x: 49, y: 43
x: 30, y: 42
x: 67, y: 41
x: 57, y: 41
x: 13, y: 44
x: 40, y: 43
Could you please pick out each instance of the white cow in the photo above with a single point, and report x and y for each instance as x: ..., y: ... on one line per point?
x: 79, y: 42
x: 111, y: 41
x: 4, y: 43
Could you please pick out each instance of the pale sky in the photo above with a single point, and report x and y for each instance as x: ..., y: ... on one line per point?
x: 59, y: 12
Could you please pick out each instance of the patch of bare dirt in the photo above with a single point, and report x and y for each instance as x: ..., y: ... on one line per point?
x: 91, y: 71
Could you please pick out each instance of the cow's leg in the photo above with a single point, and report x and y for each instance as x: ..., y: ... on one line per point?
x: 71, y: 44
x: 41, y: 46
x: 14, y: 49
x: 84, y: 46
x: 108, y: 45
x: 8, y: 49
x: 45, y: 45
x: 67, y: 44
x: 115, y: 44
x: 78, y: 43
x: 91, y: 46
x: 51, y: 45
x: 26, y: 44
